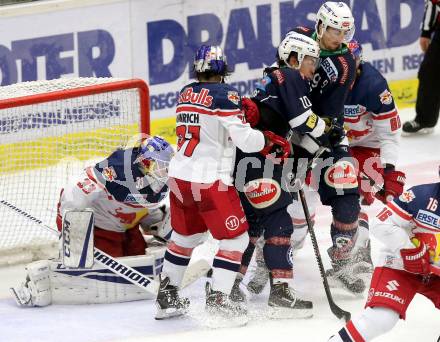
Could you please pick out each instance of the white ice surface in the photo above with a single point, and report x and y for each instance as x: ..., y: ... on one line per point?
x: 419, y: 158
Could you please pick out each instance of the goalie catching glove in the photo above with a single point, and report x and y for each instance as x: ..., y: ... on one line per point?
x: 281, y: 145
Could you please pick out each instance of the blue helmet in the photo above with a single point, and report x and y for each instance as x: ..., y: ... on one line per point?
x: 356, y: 49
x: 210, y: 58
x: 154, y: 157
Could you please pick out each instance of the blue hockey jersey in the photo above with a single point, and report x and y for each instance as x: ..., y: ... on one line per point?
x: 287, y: 93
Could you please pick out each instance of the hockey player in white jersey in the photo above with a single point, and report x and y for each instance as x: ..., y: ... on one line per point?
x: 409, y: 263
x: 210, y: 123
x: 125, y: 193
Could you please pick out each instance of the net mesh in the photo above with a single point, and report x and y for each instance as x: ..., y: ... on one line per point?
x: 44, y: 144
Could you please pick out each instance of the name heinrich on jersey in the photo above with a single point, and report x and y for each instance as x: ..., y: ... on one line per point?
x: 188, y: 118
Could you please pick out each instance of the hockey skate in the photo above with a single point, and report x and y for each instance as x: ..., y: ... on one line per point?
x: 413, y: 127
x: 260, y: 277
x: 284, y: 303
x: 222, y: 311
x: 363, y: 263
x: 237, y: 295
x: 342, y: 273
x: 168, y: 302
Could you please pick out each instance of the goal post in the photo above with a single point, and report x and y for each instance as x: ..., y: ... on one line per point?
x: 49, y: 131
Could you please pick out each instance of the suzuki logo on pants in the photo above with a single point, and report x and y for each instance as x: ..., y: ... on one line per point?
x: 392, y: 285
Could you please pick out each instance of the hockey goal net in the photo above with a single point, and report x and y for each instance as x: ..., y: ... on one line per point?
x: 49, y: 131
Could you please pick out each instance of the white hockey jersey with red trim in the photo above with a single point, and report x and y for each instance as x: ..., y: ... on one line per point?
x: 209, y: 122
x: 415, y: 213
x: 370, y: 115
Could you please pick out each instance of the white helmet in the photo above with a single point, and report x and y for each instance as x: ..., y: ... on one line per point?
x: 337, y: 15
x: 299, y: 43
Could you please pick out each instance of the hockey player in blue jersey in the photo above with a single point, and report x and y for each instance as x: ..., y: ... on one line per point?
x: 409, y: 262
x: 373, y: 129
x: 283, y: 105
x: 122, y: 190
x: 335, y: 178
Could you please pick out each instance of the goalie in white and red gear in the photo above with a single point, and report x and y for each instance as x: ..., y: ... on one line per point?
x: 125, y: 192
x: 409, y: 262
x: 122, y: 190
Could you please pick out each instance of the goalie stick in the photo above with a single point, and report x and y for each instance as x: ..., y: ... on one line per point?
x: 337, y: 311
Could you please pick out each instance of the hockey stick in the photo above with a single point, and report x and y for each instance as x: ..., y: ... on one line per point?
x: 337, y: 311
x: 128, y: 273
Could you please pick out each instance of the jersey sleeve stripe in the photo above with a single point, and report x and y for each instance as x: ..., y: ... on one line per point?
x: 399, y: 211
x: 207, y: 111
x: 386, y: 115
x: 300, y: 119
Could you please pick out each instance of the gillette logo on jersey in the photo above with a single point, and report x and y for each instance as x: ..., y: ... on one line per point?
x: 428, y: 218
x: 201, y: 98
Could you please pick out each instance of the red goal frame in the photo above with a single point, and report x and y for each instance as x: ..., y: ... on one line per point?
x: 136, y: 83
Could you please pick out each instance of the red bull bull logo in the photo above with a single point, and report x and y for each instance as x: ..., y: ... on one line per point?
x: 124, y: 218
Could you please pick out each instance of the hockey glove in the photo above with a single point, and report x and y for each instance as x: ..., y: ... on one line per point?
x: 334, y: 131
x: 250, y: 110
x: 394, y: 181
x: 281, y: 145
x: 416, y: 260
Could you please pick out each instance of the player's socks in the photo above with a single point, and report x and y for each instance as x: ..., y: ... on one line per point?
x: 261, y: 273
x: 343, y: 260
x: 237, y: 295
x: 349, y: 333
x: 176, y: 261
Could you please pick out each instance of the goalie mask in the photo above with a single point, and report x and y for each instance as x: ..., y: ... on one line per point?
x: 338, y: 16
x: 210, y: 59
x: 154, y: 157
x: 301, y: 45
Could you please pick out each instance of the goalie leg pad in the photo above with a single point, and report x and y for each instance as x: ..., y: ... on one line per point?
x: 50, y: 282
x: 99, y: 285
x: 77, y: 239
